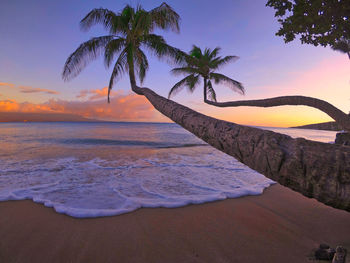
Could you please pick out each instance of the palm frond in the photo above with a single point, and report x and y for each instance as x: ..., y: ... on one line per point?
x: 196, y: 52
x: 165, y: 17
x: 141, y: 64
x: 119, y: 68
x: 233, y: 84
x: 190, y: 81
x: 99, y: 16
x: 126, y: 16
x: 112, y: 49
x: 214, y: 53
x: 157, y: 45
x: 85, y: 53
x: 218, y: 62
x: 177, y: 88
x: 206, y: 53
x: 184, y: 70
x: 211, y: 91
x: 142, y: 23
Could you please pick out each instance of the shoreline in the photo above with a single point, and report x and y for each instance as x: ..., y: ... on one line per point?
x: 278, y: 226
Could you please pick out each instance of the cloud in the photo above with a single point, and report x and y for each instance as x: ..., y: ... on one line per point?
x: 10, y: 85
x: 25, y: 89
x: 95, y: 94
x: 130, y: 107
x: 14, y: 106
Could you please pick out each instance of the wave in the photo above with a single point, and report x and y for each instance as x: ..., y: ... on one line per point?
x: 100, y: 187
x: 152, y: 144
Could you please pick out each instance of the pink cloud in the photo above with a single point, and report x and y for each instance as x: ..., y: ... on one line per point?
x: 25, y: 89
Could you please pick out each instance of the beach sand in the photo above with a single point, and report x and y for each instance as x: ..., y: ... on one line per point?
x: 278, y: 226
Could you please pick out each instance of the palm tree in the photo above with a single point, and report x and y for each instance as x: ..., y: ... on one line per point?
x: 314, y: 169
x: 204, y: 64
x: 129, y: 31
x: 343, y: 45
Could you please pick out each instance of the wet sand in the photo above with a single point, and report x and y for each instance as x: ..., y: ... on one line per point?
x: 278, y: 226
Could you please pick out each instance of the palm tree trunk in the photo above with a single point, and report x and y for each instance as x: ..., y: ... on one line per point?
x: 134, y: 88
x: 205, y: 89
x: 340, y: 117
x: 315, y: 169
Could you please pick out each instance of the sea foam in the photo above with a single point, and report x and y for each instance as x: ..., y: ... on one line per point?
x: 99, y: 187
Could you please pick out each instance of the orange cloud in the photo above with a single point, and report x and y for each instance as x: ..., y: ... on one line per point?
x: 14, y: 106
x: 7, y: 84
x: 122, y: 107
x: 24, y: 89
x: 95, y: 94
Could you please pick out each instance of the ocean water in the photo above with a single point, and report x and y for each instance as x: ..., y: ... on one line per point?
x: 103, y: 169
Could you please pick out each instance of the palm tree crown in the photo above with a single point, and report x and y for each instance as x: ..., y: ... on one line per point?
x: 203, y: 64
x: 129, y: 30
x: 343, y: 45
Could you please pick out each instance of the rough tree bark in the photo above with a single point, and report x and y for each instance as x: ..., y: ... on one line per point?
x: 315, y: 169
x: 340, y: 117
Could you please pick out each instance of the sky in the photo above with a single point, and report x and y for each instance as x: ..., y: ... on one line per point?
x: 38, y: 36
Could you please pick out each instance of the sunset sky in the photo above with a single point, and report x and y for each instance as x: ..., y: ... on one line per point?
x: 38, y: 36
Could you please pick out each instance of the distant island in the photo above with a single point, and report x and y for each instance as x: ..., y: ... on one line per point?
x: 42, y: 117
x: 328, y: 126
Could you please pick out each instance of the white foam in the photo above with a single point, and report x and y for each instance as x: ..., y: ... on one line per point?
x: 101, y: 187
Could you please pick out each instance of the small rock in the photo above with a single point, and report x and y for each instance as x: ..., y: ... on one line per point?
x: 325, y: 252
x: 342, y: 138
x: 324, y: 246
x: 340, y: 255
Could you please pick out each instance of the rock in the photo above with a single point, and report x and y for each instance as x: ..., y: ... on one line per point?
x: 340, y: 255
x: 342, y: 138
x: 324, y: 252
x: 324, y: 246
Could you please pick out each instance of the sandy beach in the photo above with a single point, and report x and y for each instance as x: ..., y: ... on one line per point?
x: 277, y: 226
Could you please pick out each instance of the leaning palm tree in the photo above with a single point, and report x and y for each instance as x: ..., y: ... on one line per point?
x: 314, y: 169
x: 129, y: 32
x: 203, y: 64
x: 343, y: 45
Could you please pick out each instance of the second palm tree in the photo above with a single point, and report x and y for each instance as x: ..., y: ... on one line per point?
x: 203, y: 64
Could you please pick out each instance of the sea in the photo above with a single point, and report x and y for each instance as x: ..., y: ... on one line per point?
x: 100, y: 169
